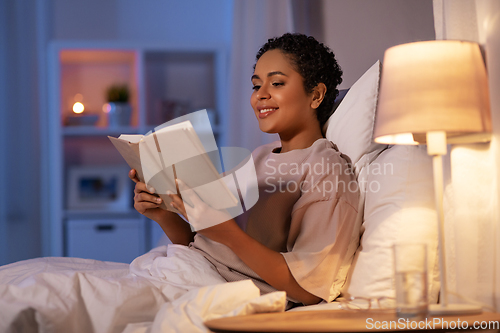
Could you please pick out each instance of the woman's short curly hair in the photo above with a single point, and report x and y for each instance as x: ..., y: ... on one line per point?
x: 315, y: 62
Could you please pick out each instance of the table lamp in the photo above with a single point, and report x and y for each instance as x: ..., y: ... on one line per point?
x: 434, y: 93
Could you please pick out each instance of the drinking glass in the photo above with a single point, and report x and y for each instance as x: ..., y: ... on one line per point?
x: 410, y: 269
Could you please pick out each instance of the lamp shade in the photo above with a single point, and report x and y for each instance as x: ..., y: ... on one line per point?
x: 433, y: 86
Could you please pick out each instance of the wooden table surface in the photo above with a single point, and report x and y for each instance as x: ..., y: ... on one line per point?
x: 346, y: 321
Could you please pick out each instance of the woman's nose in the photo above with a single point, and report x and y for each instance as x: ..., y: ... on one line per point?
x: 263, y: 93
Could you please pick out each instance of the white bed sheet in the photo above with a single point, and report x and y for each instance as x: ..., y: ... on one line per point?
x: 169, y: 289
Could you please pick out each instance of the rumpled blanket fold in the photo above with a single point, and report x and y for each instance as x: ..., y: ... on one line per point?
x: 187, y: 313
x: 172, y: 287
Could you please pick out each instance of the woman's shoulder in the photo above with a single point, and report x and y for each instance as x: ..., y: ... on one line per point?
x: 320, y: 150
x: 326, y: 161
x: 324, y: 148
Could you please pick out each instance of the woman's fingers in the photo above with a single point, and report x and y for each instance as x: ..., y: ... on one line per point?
x: 144, y: 201
x: 177, y: 203
x: 146, y: 197
x: 200, y: 214
x: 189, y: 193
x: 141, y: 187
x: 175, y: 199
x: 142, y: 206
x: 132, y: 174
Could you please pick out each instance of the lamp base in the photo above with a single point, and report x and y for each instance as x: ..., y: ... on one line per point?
x: 454, y: 309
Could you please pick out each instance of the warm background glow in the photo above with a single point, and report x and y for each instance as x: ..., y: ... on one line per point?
x: 432, y: 86
x: 78, y: 107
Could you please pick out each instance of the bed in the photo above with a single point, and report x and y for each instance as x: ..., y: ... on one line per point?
x: 81, y: 295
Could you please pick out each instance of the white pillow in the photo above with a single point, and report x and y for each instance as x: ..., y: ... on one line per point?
x: 396, y: 205
x: 399, y: 207
x: 350, y: 127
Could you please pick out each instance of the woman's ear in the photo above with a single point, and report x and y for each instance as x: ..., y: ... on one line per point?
x: 318, y: 94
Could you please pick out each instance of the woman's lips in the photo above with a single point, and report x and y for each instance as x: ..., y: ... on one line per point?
x: 263, y: 113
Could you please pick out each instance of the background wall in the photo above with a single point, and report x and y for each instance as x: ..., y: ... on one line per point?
x: 358, y: 31
x: 188, y: 21
x: 472, y: 182
x: 3, y: 131
x: 19, y: 138
x: 26, y: 28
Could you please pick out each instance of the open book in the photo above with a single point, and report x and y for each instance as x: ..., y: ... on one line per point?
x: 175, y: 152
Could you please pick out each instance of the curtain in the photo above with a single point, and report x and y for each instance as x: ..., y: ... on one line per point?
x: 3, y: 132
x: 472, y: 200
x: 253, y: 23
x: 19, y: 131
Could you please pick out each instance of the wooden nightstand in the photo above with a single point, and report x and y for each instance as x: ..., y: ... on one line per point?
x: 349, y: 321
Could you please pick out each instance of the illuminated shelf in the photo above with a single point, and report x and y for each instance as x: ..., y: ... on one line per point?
x: 99, y: 214
x: 100, y: 131
x: 161, y: 79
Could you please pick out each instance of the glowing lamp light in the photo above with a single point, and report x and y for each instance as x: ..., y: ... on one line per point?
x: 78, y: 108
x: 397, y: 139
x: 435, y: 93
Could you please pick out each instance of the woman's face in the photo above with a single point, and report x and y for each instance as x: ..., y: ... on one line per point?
x: 279, y: 99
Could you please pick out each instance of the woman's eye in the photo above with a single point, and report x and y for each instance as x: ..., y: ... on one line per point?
x: 255, y: 88
x: 276, y: 84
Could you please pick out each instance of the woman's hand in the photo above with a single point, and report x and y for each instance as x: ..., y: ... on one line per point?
x: 145, y: 202
x: 202, y: 215
x: 199, y: 214
x: 219, y: 226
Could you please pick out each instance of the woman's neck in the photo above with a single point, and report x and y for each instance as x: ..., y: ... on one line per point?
x: 300, y: 141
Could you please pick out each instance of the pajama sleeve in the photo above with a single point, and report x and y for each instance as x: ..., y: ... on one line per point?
x: 323, y: 237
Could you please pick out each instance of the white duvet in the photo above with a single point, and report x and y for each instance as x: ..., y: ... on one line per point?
x: 169, y: 289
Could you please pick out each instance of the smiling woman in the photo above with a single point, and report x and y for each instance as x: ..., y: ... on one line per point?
x: 300, y: 236
x: 281, y: 103
x: 315, y: 63
x: 299, y: 239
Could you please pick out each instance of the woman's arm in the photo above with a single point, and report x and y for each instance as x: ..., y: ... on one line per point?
x: 176, y: 229
x: 268, y: 264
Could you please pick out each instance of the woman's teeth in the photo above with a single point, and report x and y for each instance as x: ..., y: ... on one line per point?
x: 266, y: 110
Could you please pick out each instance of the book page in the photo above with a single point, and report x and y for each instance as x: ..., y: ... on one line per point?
x: 132, y: 138
x: 173, y: 152
x: 180, y: 146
